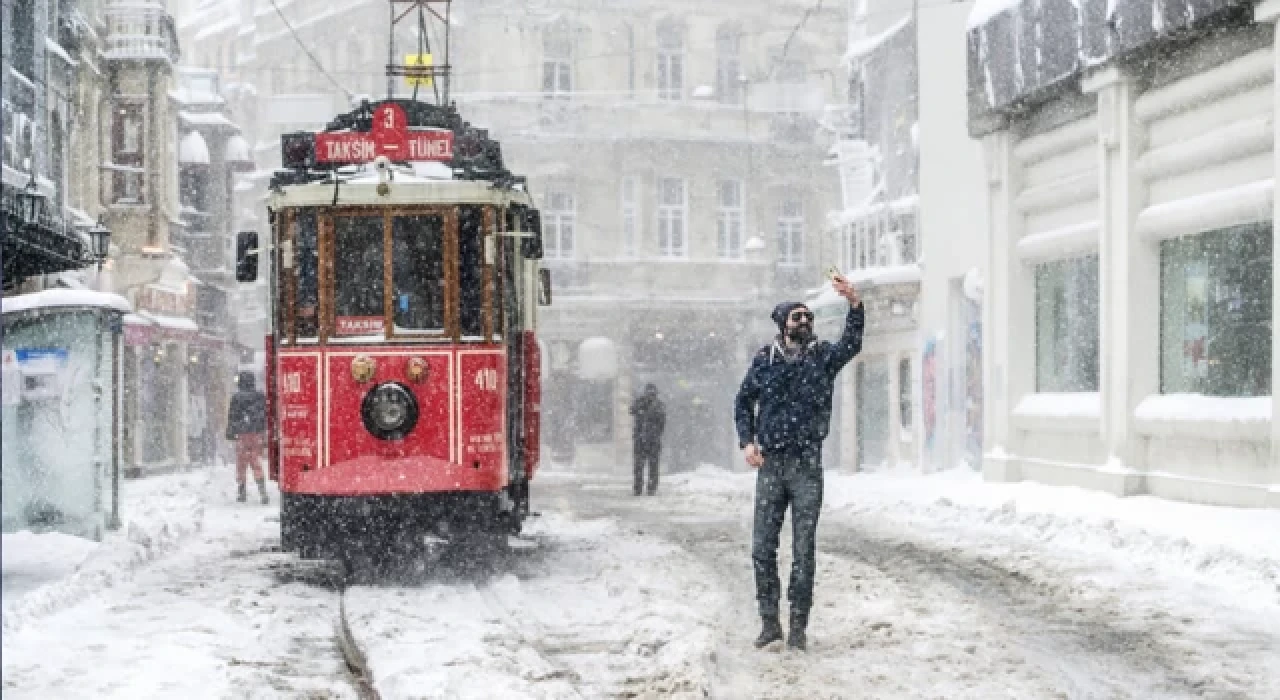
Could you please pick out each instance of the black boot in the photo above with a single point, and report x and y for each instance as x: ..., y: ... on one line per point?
x: 262, y: 490
x: 770, y: 631
x: 796, y: 639
x: 243, y: 494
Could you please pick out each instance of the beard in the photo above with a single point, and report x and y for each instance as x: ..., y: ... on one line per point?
x: 802, y: 333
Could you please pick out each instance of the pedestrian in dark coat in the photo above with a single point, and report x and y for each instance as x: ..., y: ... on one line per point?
x: 783, y: 413
x: 247, y: 426
x: 650, y: 419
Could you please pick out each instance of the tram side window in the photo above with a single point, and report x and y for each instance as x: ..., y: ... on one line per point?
x: 307, y: 263
x: 418, y: 272
x: 470, y: 270
x: 358, y: 275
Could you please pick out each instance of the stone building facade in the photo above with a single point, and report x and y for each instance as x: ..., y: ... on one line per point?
x: 676, y: 155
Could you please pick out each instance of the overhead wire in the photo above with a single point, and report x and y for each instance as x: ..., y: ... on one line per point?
x: 307, y: 51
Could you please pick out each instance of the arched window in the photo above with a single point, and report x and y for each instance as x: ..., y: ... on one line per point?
x: 670, y: 68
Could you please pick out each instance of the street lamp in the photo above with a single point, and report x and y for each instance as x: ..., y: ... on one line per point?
x: 30, y: 203
x: 100, y: 241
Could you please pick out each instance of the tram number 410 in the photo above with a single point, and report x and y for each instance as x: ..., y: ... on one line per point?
x: 487, y: 379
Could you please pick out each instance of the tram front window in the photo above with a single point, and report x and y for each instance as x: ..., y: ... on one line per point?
x: 358, y: 275
x: 417, y: 256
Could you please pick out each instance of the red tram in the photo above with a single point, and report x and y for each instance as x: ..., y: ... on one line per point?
x: 402, y: 363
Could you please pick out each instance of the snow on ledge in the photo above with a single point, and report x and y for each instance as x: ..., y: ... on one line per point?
x: 58, y: 298
x: 1059, y: 412
x: 1213, y: 417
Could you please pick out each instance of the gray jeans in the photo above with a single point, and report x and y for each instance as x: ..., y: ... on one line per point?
x: 786, y: 481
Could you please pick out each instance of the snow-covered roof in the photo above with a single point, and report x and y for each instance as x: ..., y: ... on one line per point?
x: 61, y: 298
x: 860, y: 49
x: 193, y: 150
x: 176, y: 323
x: 984, y: 10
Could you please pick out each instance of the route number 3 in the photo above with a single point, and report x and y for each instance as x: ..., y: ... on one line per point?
x: 487, y: 379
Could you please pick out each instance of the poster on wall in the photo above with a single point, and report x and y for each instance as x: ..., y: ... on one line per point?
x: 973, y: 394
x: 929, y: 393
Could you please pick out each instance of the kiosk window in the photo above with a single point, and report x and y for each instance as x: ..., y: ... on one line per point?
x: 358, y: 275
x: 418, y: 273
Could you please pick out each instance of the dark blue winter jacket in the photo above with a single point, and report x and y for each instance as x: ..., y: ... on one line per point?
x: 784, y: 406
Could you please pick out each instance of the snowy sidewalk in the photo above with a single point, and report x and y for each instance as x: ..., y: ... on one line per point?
x: 45, y: 572
x: 223, y: 615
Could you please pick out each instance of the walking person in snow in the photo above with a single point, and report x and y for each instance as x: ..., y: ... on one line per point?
x: 783, y: 413
x: 650, y: 418
x: 247, y: 426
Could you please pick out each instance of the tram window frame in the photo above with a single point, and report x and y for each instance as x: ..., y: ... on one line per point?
x: 378, y: 281
x: 489, y: 275
x: 304, y: 227
x: 442, y: 278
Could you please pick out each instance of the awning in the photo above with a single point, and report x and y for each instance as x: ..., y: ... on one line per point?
x: 147, y: 328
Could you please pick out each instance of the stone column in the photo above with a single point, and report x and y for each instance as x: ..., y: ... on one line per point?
x: 1269, y: 12
x: 1009, y: 363
x: 1128, y: 277
x: 895, y: 410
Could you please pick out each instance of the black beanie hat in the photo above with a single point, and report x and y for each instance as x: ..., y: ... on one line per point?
x: 783, y: 310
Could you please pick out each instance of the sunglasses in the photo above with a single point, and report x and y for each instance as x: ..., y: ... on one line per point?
x: 800, y: 316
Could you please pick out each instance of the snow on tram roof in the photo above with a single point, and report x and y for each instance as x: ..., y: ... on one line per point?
x: 407, y: 188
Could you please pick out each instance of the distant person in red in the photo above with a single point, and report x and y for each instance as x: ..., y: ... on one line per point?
x: 247, y: 425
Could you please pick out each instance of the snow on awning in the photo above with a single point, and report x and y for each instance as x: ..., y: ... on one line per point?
x: 238, y: 153
x: 63, y: 298
x: 208, y: 119
x: 192, y: 150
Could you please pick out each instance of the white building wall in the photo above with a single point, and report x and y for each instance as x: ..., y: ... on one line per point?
x: 1177, y: 151
x: 953, y: 226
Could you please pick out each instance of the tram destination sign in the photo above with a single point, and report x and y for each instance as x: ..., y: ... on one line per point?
x: 389, y: 136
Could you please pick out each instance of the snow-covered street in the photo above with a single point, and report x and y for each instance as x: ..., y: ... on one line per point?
x: 928, y: 587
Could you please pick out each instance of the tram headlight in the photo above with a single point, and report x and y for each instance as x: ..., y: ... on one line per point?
x: 389, y: 411
x: 363, y: 368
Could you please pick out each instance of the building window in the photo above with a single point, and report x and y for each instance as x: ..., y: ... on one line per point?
x: 672, y: 206
x: 1215, y: 312
x: 907, y: 239
x: 127, y: 154
x: 670, y: 61
x: 904, y: 394
x: 791, y: 232
x: 729, y: 65
x: 629, y: 206
x: 557, y: 64
x: 847, y: 243
x: 23, y: 32
x: 559, y: 221
x: 729, y: 220
x: 1067, y: 325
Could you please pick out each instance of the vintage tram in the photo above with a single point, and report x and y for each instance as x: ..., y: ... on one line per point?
x: 402, y: 362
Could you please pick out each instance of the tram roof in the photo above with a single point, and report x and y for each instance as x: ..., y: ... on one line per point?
x: 406, y: 190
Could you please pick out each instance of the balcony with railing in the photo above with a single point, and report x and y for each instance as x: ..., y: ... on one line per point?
x: 140, y: 30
